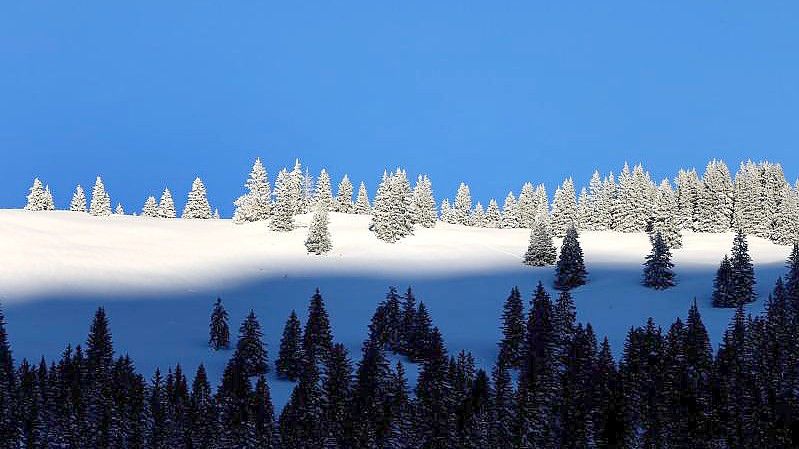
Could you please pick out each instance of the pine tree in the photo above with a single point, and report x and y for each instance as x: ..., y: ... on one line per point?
x: 256, y: 203
x: 592, y: 217
x: 344, y: 202
x: 318, y: 240
x: 742, y: 272
x: 219, y: 328
x: 250, y: 348
x: 36, y: 197
x: 688, y: 190
x: 478, y: 216
x: 583, y: 210
x: 723, y: 288
x: 493, y: 217
x: 197, y: 204
x: 362, y: 206
x: 297, y: 192
x: 715, y: 200
x: 785, y: 226
x: 570, y: 271
x: 748, y: 212
x: 540, y: 251
x: 283, y: 209
x: 216, y: 215
x: 463, y: 205
x: 101, y: 203
x: 503, y: 420
x: 423, y: 208
x: 203, y: 430
x: 264, y: 416
x: 370, y: 407
x: 408, y: 322
x: 446, y: 214
x: 9, y: 423
x: 658, y: 273
x: 664, y: 218
x: 511, y: 348
x: 317, y: 340
x: 608, y: 209
x: 78, y: 203
x: 301, y: 421
x: 166, y: 207
x: 435, y: 420
x: 324, y: 194
x: 510, y: 212
x: 336, y: 398
x: 391, y: 219
x: 150, y: 208
x: 564, y: 209
x: 527, y: 206
x: 119, y: 209
x: 290, y: 358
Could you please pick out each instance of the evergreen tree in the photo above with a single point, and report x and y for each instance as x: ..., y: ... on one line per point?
x: 502, y: 428
x: 785, y: 226
x: 324, y: 194
x: 570, y: 271
x: 478, y: 216
x: 301, y: 421
x: 493, y: 218
x: 391, y: 219
x: 723, y: 288
x: 290, y: 358
x: 688, y: 189
x: 78, y: 203
x: 166, y: 207
x: 371, y: 419
x: 284, y: 207
x: 510, y: 212
x: 343, y: 201
x: 263, y: 416
x: 197, y: 204
x: 9, y: 424
x: 564, y: 209
x: 540, y: 251
x: 715, y: 201
x: 408, y: 322
x: 424, y: 204
x: 101, y: 203
x: 608, y: 210
x: 37, y: 199
x: 219, y: 328
x: 748, y: 212
x: 234, y: 401
x: 446, y: 214
x: 658, y: 273
x: 528, y: 206
x: 421, y: 335
x: 202, y: 412
x: 317, y: 340
x: 337, y: 397
x: 435, y: 420
x: 256, y: 203
x: 742, y: 272
x: 150, y: 208
x: 250, y: 348
x: 119, y: 209
x: 664, y: 218
x: 362, y: 206
x: 318, y: 240
x: 592, y: 219
x: 511, y: 348
x: 463, y: 205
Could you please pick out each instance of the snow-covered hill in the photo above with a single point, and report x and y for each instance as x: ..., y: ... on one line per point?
x: 158, y: 279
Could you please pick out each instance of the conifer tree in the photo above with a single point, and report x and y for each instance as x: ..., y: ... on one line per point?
x: 250, y: 348
x: 564, y: 209
x: 301, y: 421
x: 463, y: 205
x: 527, y: 206
x: 593, y: 210
x: 202, y: 412
x: 283, y: 209
x: 664, y: 218
x: 317, y: 340
x: 318, y: 240
x: 493, y: 217
x: 219, y: 329
x: 150, y: 208
x: 166, y: 207
x: 435, y: 420
x: 48, y: 199
x: 715, y: 201
x: 78, y: 203
x: 748, y: 211
x: 408, y: 322
x: 391, y: 219
x: 658, y: 273
x: 197, y: 204
x: 101, y: 203
x: 583, y: 212
x: 511, y: 348
x: 424, y: 204
x: 688, y: 189
x: 343, y: 200
x: 421, y: 335
x: 723, y: 288
x: 362, y: 206
x: 510, y: 212
x: 119, y: 209
x: 255, y: 204
x: 265, y: 434
x: 742, y: 272
x: 9, y: 429
x: 608, y: 209
x: 323, y: 193
x: 503, y: 420
x: 785, y: 226
x: 478, y: 216
x: 570, y: 271
x: 36, y: 197
x: 446, y: 214
x: 336, y: 398
x: 540, y: 251
x: 370, y: 408
x: 290, y: 358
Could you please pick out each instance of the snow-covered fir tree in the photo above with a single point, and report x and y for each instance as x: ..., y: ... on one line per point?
x: 493, y: 217
x: 219, y: 329
x: 591, y: 213
x: 570, y: 271
x: 541, y: 201
x: 150, y: 208
x: 664, y: 217
x: 658, y: 268
x: 391, y: 219
x: 362, y: 206
x: 197, y: 203
x: 216, y: 215
x: 688, y: 190
x: 715, y: 202
x: 478, y: 216
x: 423, y: 208
x: 166, y: 206
x: 250, y: 349
x: 255, y: 204
x: 540, y: 251
x: 772, y: 179
x: 323, y: 193
x: 447, y: 215
x: 785, y: 227
x: 748, y: 211
x: 78, y: 203
x: 344, y: 202
x: 527, y: 206
x: 284, y: 207
x: 298, y: 188
x: 510, y: 212
x: 607, y: 208
x: 100, y: 203
x: 318, y: 240
x: 462, y: 206
x: 119, y: 209
x: 289, y: 362
x: 48, y: 198
x: 564, y: 209
x: 723, y: 288
x: 36, y: 197
x: 743, y: 272
x: 583, y: 212
x: 635, y: 199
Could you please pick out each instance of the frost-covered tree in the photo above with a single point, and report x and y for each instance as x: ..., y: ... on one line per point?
x: 423, y: 208
x: 298, y: 186
x: 478, y: 216
x: 219, y: 329
x: 36, y: 197
x: 256, y: 203
x: 48, y: 199
x: 591, y: 214
x: 541, y: 201
x: 658, y: 268
x: 540, y: 251
x: 607, y: 208
x: 391, y: 219
x: 772, y: 179
x: 447, y: 215
x: 362, y: 206
x: 119, y: 209
x: 583, y: 210
x: 150, y: 208
x: 748, y: 213
x: 284, y: 207
x: 528, y: 206
x: 715, y: 201
x: 289, y: 361
x: 664, y: 217
x: 570, y: 271
x: 493, y: 217
x: 635, y: 199
x: 564, y: 209
x: 743, y: 272
x: 318, y: 240
x: 785, y: 228
x: 216, y: 215
x: 688, y: 190
x: 166, y: 207
x: 344, y: 197
x: 510, y: 212
x: 462, y: 206
x: 101, y: 203
x: 723, y: 288
x: 323, y: 193
x: 197, y: 204
x: 78, y: 203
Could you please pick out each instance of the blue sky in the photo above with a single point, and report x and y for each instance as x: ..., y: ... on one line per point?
x: 150, y: 93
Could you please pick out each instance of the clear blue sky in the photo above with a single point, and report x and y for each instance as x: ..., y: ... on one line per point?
x: 153, y: 93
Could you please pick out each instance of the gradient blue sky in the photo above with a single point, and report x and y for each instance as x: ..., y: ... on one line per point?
x: 152, y: 93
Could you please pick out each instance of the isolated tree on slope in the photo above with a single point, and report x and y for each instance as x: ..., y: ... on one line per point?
x: 664, y: 218
x: 101, y: 203
x: 564, y: 209
x: 540, y: 252
x: 658, y: 273
x: 570, y: 271
x: 78, y: 203
x: 344, y: 197
x: 166, y: 207
x: 219, y: 329
x: 256, y: 203
x: 324, y: 193
x: 318, y: 240
x: 424, y: 204
x: 462, y: 206
x: 493, y: 217
x: 510, y: 212
x: 743, y: 272
x: 250, y: 348
x: 36, y: 197
x: 197, y: 204
x: 290, y: 358
x: 150, y: 208
x: 785, y: 229
x: 362, y: 206
x: 283, y: 209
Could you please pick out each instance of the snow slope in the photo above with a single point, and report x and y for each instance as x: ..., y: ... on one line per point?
x: 158, y: 279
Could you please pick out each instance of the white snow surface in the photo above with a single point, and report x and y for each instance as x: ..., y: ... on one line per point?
x: 158, y: 278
